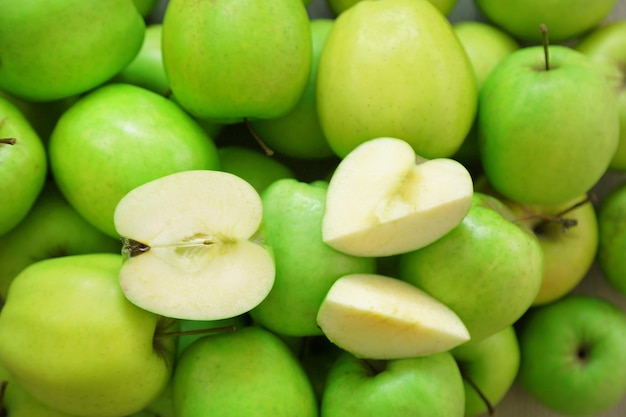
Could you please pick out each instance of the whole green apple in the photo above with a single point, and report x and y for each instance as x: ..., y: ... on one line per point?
x: 257, y: 69
x: 116, y: 138
x: 84, y: 349
x: 573, y: 359
x: 23, y: 165
x: 429, y: 385
x: 66, y: 47
x: 395, y: 68
x: 612, y: 238
x: 548, y: 125
x: 249, y: 372
x: 488, y: 269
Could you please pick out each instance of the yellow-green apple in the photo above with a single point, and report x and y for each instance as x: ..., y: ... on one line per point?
x: 395, y: 68
x: 489, y: 368
x: 383, y: 199
x: 573, y: 359
x: 116, y: 138
x: 488, y: 270
x: 292, y: 226
x: 258, y: 68
x: 425, y: 386
x: 531, y: 150
x: 612, y: 238
x: 378, y: 317
x: 249, y: 372
x: 192, y: 247
x: 64, y: 48
x: 23, y: 165
x: 84, y: 349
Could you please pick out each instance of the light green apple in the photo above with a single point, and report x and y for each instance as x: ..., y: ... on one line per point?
x: 612, y: 238
x: 489, y: 369
x: 338, y: 6
x: 430, y: 386
x: 573, y: 359
x: 257, y: 69
x: 488, y: 269
x: 306, y: 267
x: 249, y: 372
x: 566, y: 19
x: 85, y: 349
x: 395, y: 68
x: 64, y: 48
x: 52, y: 228
x: 119, y: 137
x: 548, y: 128
x: 298, y: 133
x: 605, y: 46
x: 23, y: 165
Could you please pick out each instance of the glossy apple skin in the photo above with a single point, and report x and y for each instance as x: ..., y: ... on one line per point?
x: 572, y: 355
x: 612, y: 238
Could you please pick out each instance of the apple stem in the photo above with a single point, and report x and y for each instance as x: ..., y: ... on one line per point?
x: 8, y: 141
x: 546, y: 43
x: 491, y: 410
x: 3, y: 388
x: 224, y: 329
x: 268, y: 151
x: 560, y: 217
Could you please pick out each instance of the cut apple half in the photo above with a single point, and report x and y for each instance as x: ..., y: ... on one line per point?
x: 383, y: 199
x: 191, y: 246
x: 379, y: 317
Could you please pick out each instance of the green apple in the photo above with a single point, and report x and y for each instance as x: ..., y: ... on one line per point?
x: 566, y: 19
x: 84, y: 349
x: 612, y: 238
x: 541, y: 140
x: 235, y: 59
x: 573, y: 359
x: 249, y: 372
x: 306, y: 267
x: 23, y: 165
x: 67, y: 47
x: 145, y: 7
x: 338, y: 6
x: 119, y: 137
x: 488, y: 269
x: 605, y: 46
x: 192, y: 247
x: 383, y: 199
x: 395, y: 68
x: 489, y: 368
x: 52, y: 228
x: 378, y: 317
x: 298, y: 133
x: 426, y: 386
x: 254, y: 166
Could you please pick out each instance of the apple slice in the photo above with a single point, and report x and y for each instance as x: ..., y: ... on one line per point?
x: 379, y: 317
x: 191, y: 246
x: 384, y: 200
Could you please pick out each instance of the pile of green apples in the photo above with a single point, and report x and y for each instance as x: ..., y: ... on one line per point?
x: 243, y: 209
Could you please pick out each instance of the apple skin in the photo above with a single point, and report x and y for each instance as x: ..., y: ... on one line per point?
x: 293, y: 213
x: 612, y: 238
x: 573, y: 359
x: 85, y: 349
x: 338, y: 6
x: 531, y: 150
x: 98, y: 148
x: 247, y: 372
x: 430, y: 386
x: 566, y: 19
x: 492, y: 365
x: 485, y: 261
x: 64, y: 48
x: 145, y: 7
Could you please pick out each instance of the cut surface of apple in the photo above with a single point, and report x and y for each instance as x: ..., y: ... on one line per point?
x: 383, y: 199
x: 378, y: 317
x: 192, y: 248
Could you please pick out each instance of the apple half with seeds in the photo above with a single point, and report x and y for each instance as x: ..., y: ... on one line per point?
x: 192, y: 246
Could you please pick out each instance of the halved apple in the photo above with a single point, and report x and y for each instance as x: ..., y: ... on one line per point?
x: 192, y: 247
x: 378, y: 317
x: 383, y: 199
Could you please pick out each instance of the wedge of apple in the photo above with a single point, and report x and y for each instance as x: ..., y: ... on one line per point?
x: 383, y: 199
x: 192, y: 247
x: 378, y: 317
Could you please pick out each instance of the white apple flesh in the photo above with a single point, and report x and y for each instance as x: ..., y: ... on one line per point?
x: 191, y: 243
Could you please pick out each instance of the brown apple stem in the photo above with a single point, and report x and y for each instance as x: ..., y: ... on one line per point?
x: 491, y: 410
x: 3, y: 389
x: 567, y: 223
x: 8, y: 141
x: 268, y: 151
x: 546, y: 43
x: 224, y: 329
